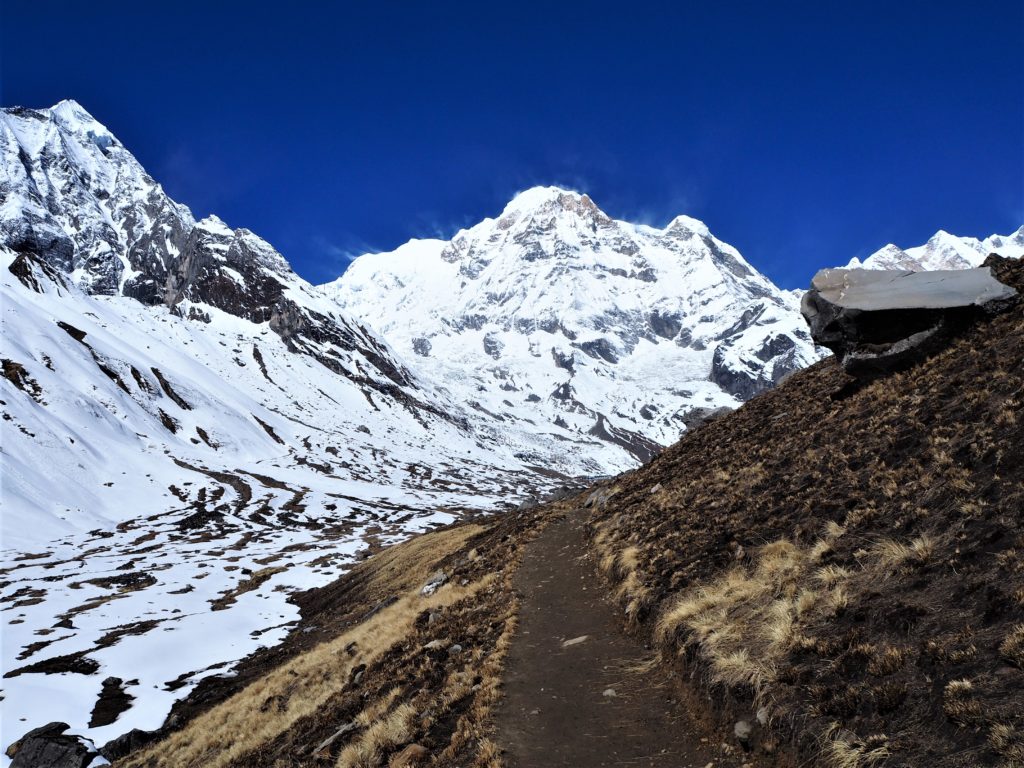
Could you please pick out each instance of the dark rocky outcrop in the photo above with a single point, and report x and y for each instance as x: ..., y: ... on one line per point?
x: 642, y: 448
x: 127, y: 743
x: 700, y: 416
x: 878, y: 321
x: 50, y: 747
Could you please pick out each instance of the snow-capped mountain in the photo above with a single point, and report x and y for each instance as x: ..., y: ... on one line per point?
x: 944, y: 251
x: 77, y: 200
x: 554, y: 316
x: 190, y: 432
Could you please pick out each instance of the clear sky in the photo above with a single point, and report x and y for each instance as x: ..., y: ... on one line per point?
x: 802, y: 133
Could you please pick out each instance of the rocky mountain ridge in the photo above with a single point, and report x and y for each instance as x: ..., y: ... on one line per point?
x: 943, y: 251
x: 555, y: 313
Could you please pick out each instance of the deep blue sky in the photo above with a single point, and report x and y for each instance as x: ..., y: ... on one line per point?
x: 802, y: 133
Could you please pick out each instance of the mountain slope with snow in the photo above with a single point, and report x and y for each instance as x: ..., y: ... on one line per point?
x: 944, y: 251
x: 190, y: 433
x: 556, y: 317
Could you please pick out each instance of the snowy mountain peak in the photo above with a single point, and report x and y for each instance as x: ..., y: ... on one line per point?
x: 534, y: 198
x: 74, y: 116
x: 556, y: 317
x: 215, y: 226
x: 549, y: 203
x: 944, y: 251
x: 688, y: 224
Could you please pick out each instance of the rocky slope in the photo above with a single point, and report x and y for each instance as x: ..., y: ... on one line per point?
x: 944, y: 251
x: 555, y: 317
x: 842, y: 566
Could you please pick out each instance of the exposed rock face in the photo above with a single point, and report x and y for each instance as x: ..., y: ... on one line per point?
x: 50, y: 747
x: 700, y: 416
x: 878, y: 321
x: 82, y: 205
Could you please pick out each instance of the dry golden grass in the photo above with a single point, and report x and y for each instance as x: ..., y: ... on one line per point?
x: 1012, y: 647
x: 1007, y: 742
x: 380, y: 736
x: 747, y: 620
x: 895, y: 553
x: 958, y: 702
x: 298, y: 688
x: 408, y: 565
x: 887, y: 660
x: 624, y: 566
x: 844, y: 750
x: 489, y: 755
x: 476, y: 726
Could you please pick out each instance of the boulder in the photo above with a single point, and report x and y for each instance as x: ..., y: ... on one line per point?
x: 878, y: 321
x: 127, y: 743
x: 697, y: 417
x: 434, y: 583
x: 50, y: 729
x: 50, y: 747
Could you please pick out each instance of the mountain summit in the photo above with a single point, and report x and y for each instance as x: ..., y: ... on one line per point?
x: 558, y: 315
x: 944, y: 251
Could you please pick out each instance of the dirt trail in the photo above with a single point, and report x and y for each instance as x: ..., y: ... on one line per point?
x: 557, y: 709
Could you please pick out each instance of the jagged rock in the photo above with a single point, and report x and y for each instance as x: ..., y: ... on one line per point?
x: 50, y: 729
x: 700, y: 416
x: 879, y: 321
x: 127, y: 743
x: 50, y: 747
x: 743, y: 731
x: 433, y: 583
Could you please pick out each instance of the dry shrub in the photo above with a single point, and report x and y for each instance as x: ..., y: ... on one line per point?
x: 745, y: 622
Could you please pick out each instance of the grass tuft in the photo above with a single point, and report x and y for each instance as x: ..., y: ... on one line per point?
x: 844, y: 750
x: 1012, y: 647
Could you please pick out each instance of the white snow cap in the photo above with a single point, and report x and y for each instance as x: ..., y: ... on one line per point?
x: 943, y: 251
x: 74, y: 117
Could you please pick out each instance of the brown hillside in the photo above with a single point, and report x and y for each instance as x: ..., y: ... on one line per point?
x: 853, y: 563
